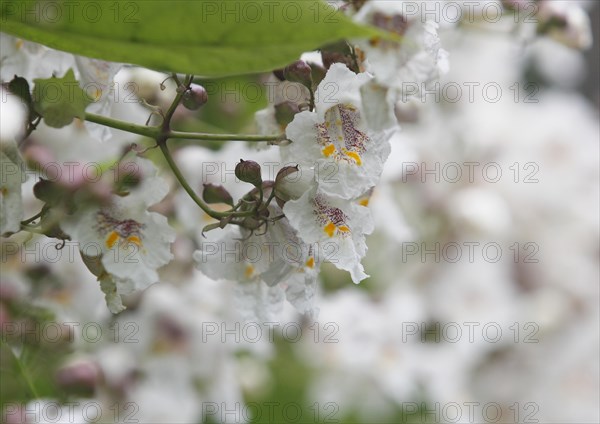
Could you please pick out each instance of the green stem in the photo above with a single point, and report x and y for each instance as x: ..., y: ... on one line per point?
x: 166, y: 125
x: 191, y: 192
x: 312, y: 98
x: 33, y: 218
x: 154, y: 132
x: 144, y: 130
x: 163, y: 133
x: 23, y: 371
x: 31, y: 229
x: 223, y: 137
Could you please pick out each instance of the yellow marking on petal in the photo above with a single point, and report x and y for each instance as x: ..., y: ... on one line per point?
x: 364, y: 202
x: 356, y: 157
x: 97, y: 93
x: 344, y: 229
x: 338, y: 122
x: 249, y: 271
x: 328, y: 150
x: 19, y: 43
x: 135, y: 240
x: 160, y: 346
x: 112, y: 238
x: 4, y: 191
x: 330, y: 229
x: 375, y: 41
x: 310, y: 262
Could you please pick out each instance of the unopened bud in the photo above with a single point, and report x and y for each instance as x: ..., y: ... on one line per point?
x: 338, y: 53
x: 318, y: 73
x: 291, y: 183
x: 249, y: 171
x: 94, y: 264
x: 216, y: 194
x: 82, y: 375
x: 284, y: 172
x: 279, y: 74
x: 50, y: 192
x: 195, y: 97
x: 299, y: 71
x: 407, y: 112
x: 285, y: 112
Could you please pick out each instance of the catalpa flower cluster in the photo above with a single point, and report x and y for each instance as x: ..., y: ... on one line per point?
x: 338, y: 128
x: 335, y: 159
x: 332, y: 141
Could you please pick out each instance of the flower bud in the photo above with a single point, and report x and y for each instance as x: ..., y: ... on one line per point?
x: 94, y: 264
x: 291, y: 183
x: 299, y: 71
x: 80, y: 375
x: 249, y: 171
x: 285, y: 112
x: 408, y: 112
x: 50, y: 192
x: 216, y: 194
x: 195, y: 97
x: 338, y: 53
x: 279, y: 74
x: 318, y: 73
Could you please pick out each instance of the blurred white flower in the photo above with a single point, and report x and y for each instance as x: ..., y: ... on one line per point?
x: 263, y: 264
x: 566, y: 22
x: 131, y: 242
x: 32, y: 61
x: 417, y: 59
x: 11, y: 204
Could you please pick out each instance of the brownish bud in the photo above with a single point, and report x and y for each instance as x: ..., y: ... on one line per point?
x: 249, y: 171
x: 195, y: 97
x: 216, y: 194
x: 285, y: 112
x: 299, y: 71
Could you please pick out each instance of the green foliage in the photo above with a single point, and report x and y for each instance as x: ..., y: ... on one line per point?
x: 28, y: 361
x: 59, y: 100
x: 202, y: 37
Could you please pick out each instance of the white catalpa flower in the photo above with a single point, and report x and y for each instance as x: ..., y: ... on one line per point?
x: 11, y: 204
x: 229, y: 257
x: 12, y: 118
x: 96, y: 77
x: 129, y: 242
x: 417, y: 59
x: 264, y: 264
x: 337, y: 226
x: 31, y: 60
x: 335, y: 141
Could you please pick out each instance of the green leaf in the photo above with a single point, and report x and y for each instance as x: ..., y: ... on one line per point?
x: 202, y: 37
x: 59, y: 100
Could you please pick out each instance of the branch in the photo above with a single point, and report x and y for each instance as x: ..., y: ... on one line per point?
x: 155, y: 132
